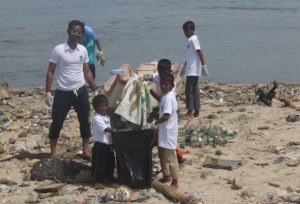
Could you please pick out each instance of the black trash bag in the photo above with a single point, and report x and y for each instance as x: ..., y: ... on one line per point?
x: 134, y: 156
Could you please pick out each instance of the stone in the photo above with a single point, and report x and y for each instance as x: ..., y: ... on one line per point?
x: 292, y: 163
x: 237, y: 183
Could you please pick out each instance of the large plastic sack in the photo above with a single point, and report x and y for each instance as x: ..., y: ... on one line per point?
x: 134, y: 155
x: 135, y: 105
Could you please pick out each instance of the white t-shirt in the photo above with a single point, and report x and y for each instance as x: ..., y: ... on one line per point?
x: 156, y: 80
x: 100, y: 123
x: 69, y: 65
x: 193, y: 63
x: 168, y: 130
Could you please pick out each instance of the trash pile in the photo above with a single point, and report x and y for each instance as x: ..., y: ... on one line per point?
x: 199, y: 136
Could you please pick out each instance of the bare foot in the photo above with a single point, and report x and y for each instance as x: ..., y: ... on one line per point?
x: 165, y: 179
x: 98, y: 186
x: 87, y: 155
x: 174, y: 184
x: 186, y: 117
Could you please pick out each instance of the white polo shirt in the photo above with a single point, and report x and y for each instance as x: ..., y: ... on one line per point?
x: 193, y: 64
x: 168, y: 130
x: 100, y: 123
x: 69, y: 65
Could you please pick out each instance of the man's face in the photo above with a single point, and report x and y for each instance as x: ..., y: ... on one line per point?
x: 75, y: 33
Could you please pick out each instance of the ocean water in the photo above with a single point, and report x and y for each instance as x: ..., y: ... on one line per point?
x: 244, y: 41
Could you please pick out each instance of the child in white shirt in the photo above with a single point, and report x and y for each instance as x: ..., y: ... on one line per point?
x: 103, y: 157
x: 168, y: 131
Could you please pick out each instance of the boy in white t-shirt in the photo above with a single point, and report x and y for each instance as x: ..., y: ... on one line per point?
x: 168, y: 131
x: 194, y: 63
x: 103, y: 157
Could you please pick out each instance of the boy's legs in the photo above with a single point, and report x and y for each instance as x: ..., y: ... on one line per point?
x: 164, y: 165
x: 103, y: 162
x: 189, y: 97
x: 196, y: 96
x: 169, y: 165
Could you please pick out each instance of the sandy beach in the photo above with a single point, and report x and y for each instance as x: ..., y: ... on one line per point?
x: 256, y: 148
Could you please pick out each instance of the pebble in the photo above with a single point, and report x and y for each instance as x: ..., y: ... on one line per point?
x: 292, y: 164
x: 237, y: 183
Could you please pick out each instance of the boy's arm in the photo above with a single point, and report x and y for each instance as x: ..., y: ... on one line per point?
x: 201, y: 57
x: 162, y: 119
x: 155, y: 95
x: 109, y: 129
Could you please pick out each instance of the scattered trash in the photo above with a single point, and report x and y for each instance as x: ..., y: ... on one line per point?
x: 212, y: 135
x: 122, y: 194
x: 266, y: 97
x: 292, y: 118
x: 216, y: 163
x: 293, y: 143
x: 5, y: 188
x: 105, y: 197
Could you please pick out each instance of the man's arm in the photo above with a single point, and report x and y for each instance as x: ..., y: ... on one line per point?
x: 88, y: 76
x: 98, y: 45
x: 50, y: 76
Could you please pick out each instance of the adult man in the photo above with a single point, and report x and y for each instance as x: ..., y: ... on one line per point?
x: 90, y: 40
x: 70, y: 59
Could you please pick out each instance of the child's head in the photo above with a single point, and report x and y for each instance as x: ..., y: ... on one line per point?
x: 188, y: 28
x: 167, y: 83
x: 164, y: 67
x: 100, y: 104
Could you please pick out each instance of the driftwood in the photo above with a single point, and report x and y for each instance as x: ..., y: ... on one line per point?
x: 25, y: 154
x: 174, y: 195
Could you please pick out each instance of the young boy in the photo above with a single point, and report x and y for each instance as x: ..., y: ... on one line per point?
x: 168, y: 131
x: 194, y: 63
x: 164, y: 68
x: 103, y: 158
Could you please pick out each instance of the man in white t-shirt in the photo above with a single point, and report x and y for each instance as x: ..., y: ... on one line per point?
x: 195, y: 61
x: 70, y: 59
x: 168, y: 131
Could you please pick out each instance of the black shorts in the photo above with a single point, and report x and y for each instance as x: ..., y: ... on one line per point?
x: 63, y: 101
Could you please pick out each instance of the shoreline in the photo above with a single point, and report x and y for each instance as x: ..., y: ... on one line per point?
x: 265, y: 140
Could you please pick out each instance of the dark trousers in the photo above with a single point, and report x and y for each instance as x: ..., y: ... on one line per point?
x: 92, y: 68
x: 103, y: 162
x: 192, y: 94
x: 63, y: 100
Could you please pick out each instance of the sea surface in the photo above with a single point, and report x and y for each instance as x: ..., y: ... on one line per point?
x: 244, y: 41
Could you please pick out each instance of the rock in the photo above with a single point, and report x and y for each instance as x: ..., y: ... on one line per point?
x: 63, y: 170
x: 290, y: 189
x: 274, y: 184
x: 237, y: 183
x: 218, y: 152
x: 212, y: 116
x: 292, y: 163
x: 247, y: 194
x: 263, y: 128
x: 293, y: 198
